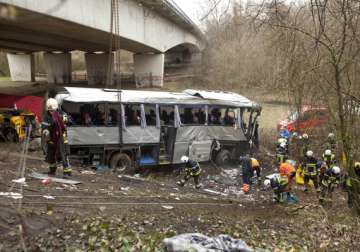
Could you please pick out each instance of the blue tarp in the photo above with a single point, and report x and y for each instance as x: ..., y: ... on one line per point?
x: 147, y: 160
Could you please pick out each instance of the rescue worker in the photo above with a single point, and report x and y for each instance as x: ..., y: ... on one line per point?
x: 350, y: 184
x: 53, y: 130
x: 329, y: 158
x: 330, y: 181
x: 256, y: 168
x: 331, y: 142
x: 281, y: 153
x: 192, y: 170
x: 309, y: 167
x: 328, y: 161
x: 288, y: 169
x: 305, y: 143
x: 279, y: 184
x: 249, y: 167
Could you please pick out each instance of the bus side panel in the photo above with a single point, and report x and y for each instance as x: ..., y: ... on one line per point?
x: 140, y: 135
x: 110, y: 135
x: 93, y: 135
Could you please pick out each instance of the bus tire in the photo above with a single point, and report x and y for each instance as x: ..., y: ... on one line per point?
x: 223, y: 157
x: 121, y: 163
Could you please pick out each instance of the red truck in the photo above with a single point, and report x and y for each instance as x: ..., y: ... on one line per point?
x: 309, y: 119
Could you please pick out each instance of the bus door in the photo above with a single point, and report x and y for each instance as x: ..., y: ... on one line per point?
x: 167, y: 133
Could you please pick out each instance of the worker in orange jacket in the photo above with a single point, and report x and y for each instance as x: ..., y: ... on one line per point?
x: 288, y: 169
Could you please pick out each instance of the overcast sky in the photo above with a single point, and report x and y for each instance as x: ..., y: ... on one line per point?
x: 191, y: 7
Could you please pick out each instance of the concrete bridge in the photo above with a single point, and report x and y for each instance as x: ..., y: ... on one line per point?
x: 150, y: 29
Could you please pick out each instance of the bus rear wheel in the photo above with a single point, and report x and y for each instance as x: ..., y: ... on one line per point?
x: 121, y: 163
x: 223, y: 158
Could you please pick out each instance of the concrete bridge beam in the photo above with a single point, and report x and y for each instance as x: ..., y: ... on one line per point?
x: 97, y: 66
x: 149, y: 69
x: 58, y: 67
x: 21, y: 67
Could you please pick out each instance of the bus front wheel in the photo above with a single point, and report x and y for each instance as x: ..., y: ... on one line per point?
x: 121, y: 163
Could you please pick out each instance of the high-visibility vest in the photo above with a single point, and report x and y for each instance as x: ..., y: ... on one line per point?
x: 310, y: 169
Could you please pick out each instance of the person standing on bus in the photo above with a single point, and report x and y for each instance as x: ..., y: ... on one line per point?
x: 53, y: 130
x: 192, y: 170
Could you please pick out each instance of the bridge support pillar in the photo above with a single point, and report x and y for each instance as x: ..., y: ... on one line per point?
x: 97, y: 66
x: 21, y: 67
x: 149, y: 70
x: 58, y: 67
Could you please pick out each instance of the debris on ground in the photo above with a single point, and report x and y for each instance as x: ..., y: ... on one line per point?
x: 53, y: 179
x: 86, y: 172
x: 167, y: 207
x: 11, y: 195
x: 202, y: 243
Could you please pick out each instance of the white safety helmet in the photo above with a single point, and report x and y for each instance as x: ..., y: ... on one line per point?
x: 294, y: 134
x: 309, y: 153
x: 283, y: 140
x: 184, y: 159
x: 305, y: 136
x: 52, y: 104
x: 331, y: 135
x: 267, y: 183
x: 327, y: 152
x: 336, y: 170
x: 283, y: 145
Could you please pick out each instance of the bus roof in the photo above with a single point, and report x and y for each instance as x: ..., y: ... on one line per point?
x: 189, y: 96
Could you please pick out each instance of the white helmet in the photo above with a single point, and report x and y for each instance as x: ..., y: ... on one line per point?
x: 267, y: 183
x: 295, y: 134
x: 309, y: 153
x: 283, y: 145
x: 305, y: 136
x: 327, y: 153
x: 336, y: 170
x: 331, y: 135
x: 52, y: 104
x: 184, y: 159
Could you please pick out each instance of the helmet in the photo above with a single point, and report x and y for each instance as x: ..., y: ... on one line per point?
x: 327, y: 153
x: 305, y: 136
x: 184, y: 159
x: 267, y: 183
x: 357, y: 165
x: 331, y: 135
x: 309, y: 153
x: 51, y: 104
x: 283, y: 145
x: 295, y: 134
x: 336, y: 170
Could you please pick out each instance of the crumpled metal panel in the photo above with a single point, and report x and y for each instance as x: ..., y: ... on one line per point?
x: 201, y: 133
x: 200, y: 150
x: 180, y: 149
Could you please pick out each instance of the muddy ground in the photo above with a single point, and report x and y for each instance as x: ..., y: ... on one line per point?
x: 110, y: 213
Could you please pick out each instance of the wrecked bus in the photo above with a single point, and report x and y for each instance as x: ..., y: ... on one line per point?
x: 129, y: 129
